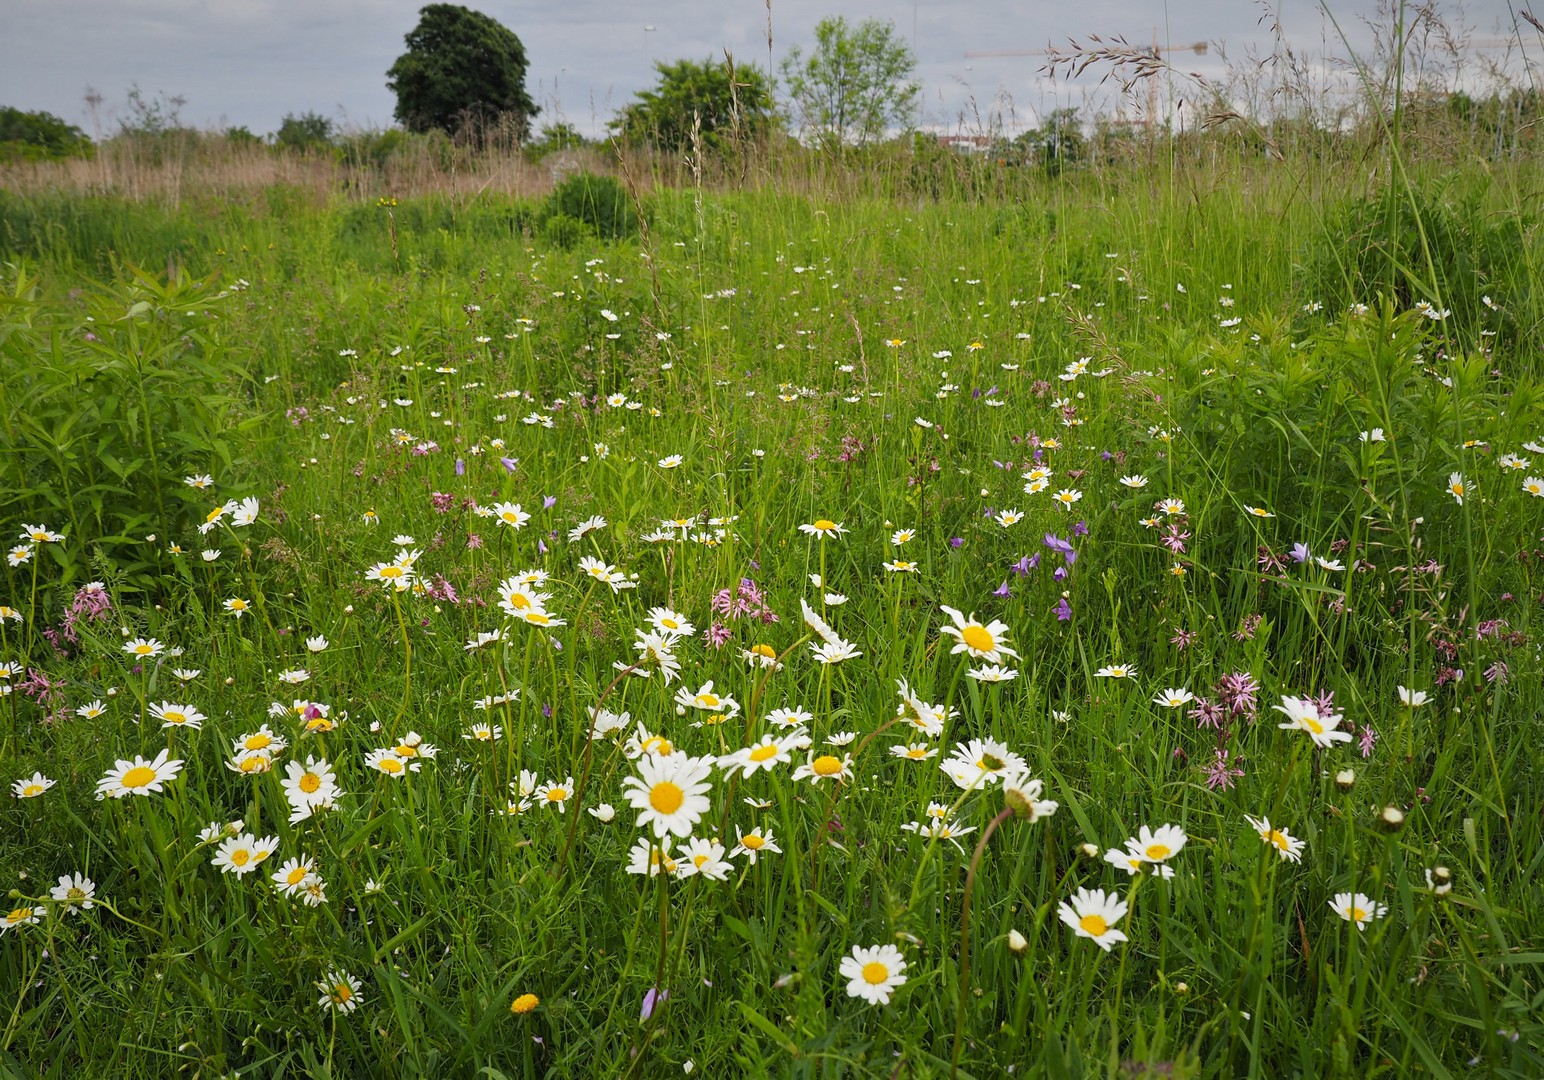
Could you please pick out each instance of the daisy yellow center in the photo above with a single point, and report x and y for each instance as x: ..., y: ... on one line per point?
x: 20, y: 914
x: 875, y: 973
x: 310, y: 782
x: 75, y: 894
x: 666, y: 797
x: 1158, y: 852
x: 978, y: 638
x: 238, y: 605
x: 826, y: 765
x: 296, y: 876
x: 557, y: 795
x: 658, y: 745
x: 916, y: 753
x: 31, y: 790
x: 707, y: 701
x: 240, y: 857
x: 1313, y: 725
x: 509, y: 517
x: 752, y: 842
x: 404, y: 750
x: 765, y: 650
x: 143, y: 650
x: 258, y: 742
x: 255, y: 763
x: 1275, y: 836
x: 173, y: 717
x: 670, y: 624
x: 698, y: 860
x: 391, y: 571
x: 138, y: 777
x: 825, y: 525
x: 765, y: 753
x: 519, y: 601
x: 391, y: 765
x: 1358, y: 914
x: 1094, y: 924
x: 215, y: 515
x: 537, y: 617
x: 342, y: 993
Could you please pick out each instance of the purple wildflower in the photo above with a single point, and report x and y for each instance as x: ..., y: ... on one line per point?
x: 1221, y: 773
x: 1207, y: 713
x: 1367, y: 738
x: 1063, y: 610
x: 653, y: 997
x: 1248, y: 628
x: 1002, y: 590
x: 1237, y: 692
x: 1300, y: 553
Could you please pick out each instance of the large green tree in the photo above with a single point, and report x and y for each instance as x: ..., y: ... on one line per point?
x: 856, y: 84
x: 462, y: 71
x: 727, y: 101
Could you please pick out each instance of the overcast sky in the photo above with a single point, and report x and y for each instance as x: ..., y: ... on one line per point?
x: 249, y: 62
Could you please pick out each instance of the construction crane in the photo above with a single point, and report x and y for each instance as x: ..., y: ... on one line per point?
x: 1155, y: 50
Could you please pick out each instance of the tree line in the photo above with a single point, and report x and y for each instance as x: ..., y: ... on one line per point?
x: 462, y: 76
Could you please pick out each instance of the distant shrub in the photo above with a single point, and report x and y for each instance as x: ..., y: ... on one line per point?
x: 565, y: 231
x: 39, y: 136
x: 308, y: 131
x: 599, y: 202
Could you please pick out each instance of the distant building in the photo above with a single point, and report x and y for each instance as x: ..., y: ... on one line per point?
x: 966, y: 144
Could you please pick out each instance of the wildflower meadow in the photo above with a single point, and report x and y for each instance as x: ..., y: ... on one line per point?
x: 824, y: 632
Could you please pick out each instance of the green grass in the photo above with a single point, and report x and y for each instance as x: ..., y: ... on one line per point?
x: 744, y: 323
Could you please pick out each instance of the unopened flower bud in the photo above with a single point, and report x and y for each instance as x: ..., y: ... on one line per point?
x: 1392, y: 819
x: 1089, y: 851
x: 1017, y: 942
x: 1345, y: 779
x: 1181, y: 988
x: 1440, y: 880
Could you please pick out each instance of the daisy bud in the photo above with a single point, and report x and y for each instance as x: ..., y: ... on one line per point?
x: 1392, y: 819
x: 1440, y: 878
x: 1017, y: 942
x: 1181, y: 988
x: 1345, y: 779
x: 1089, y: 851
